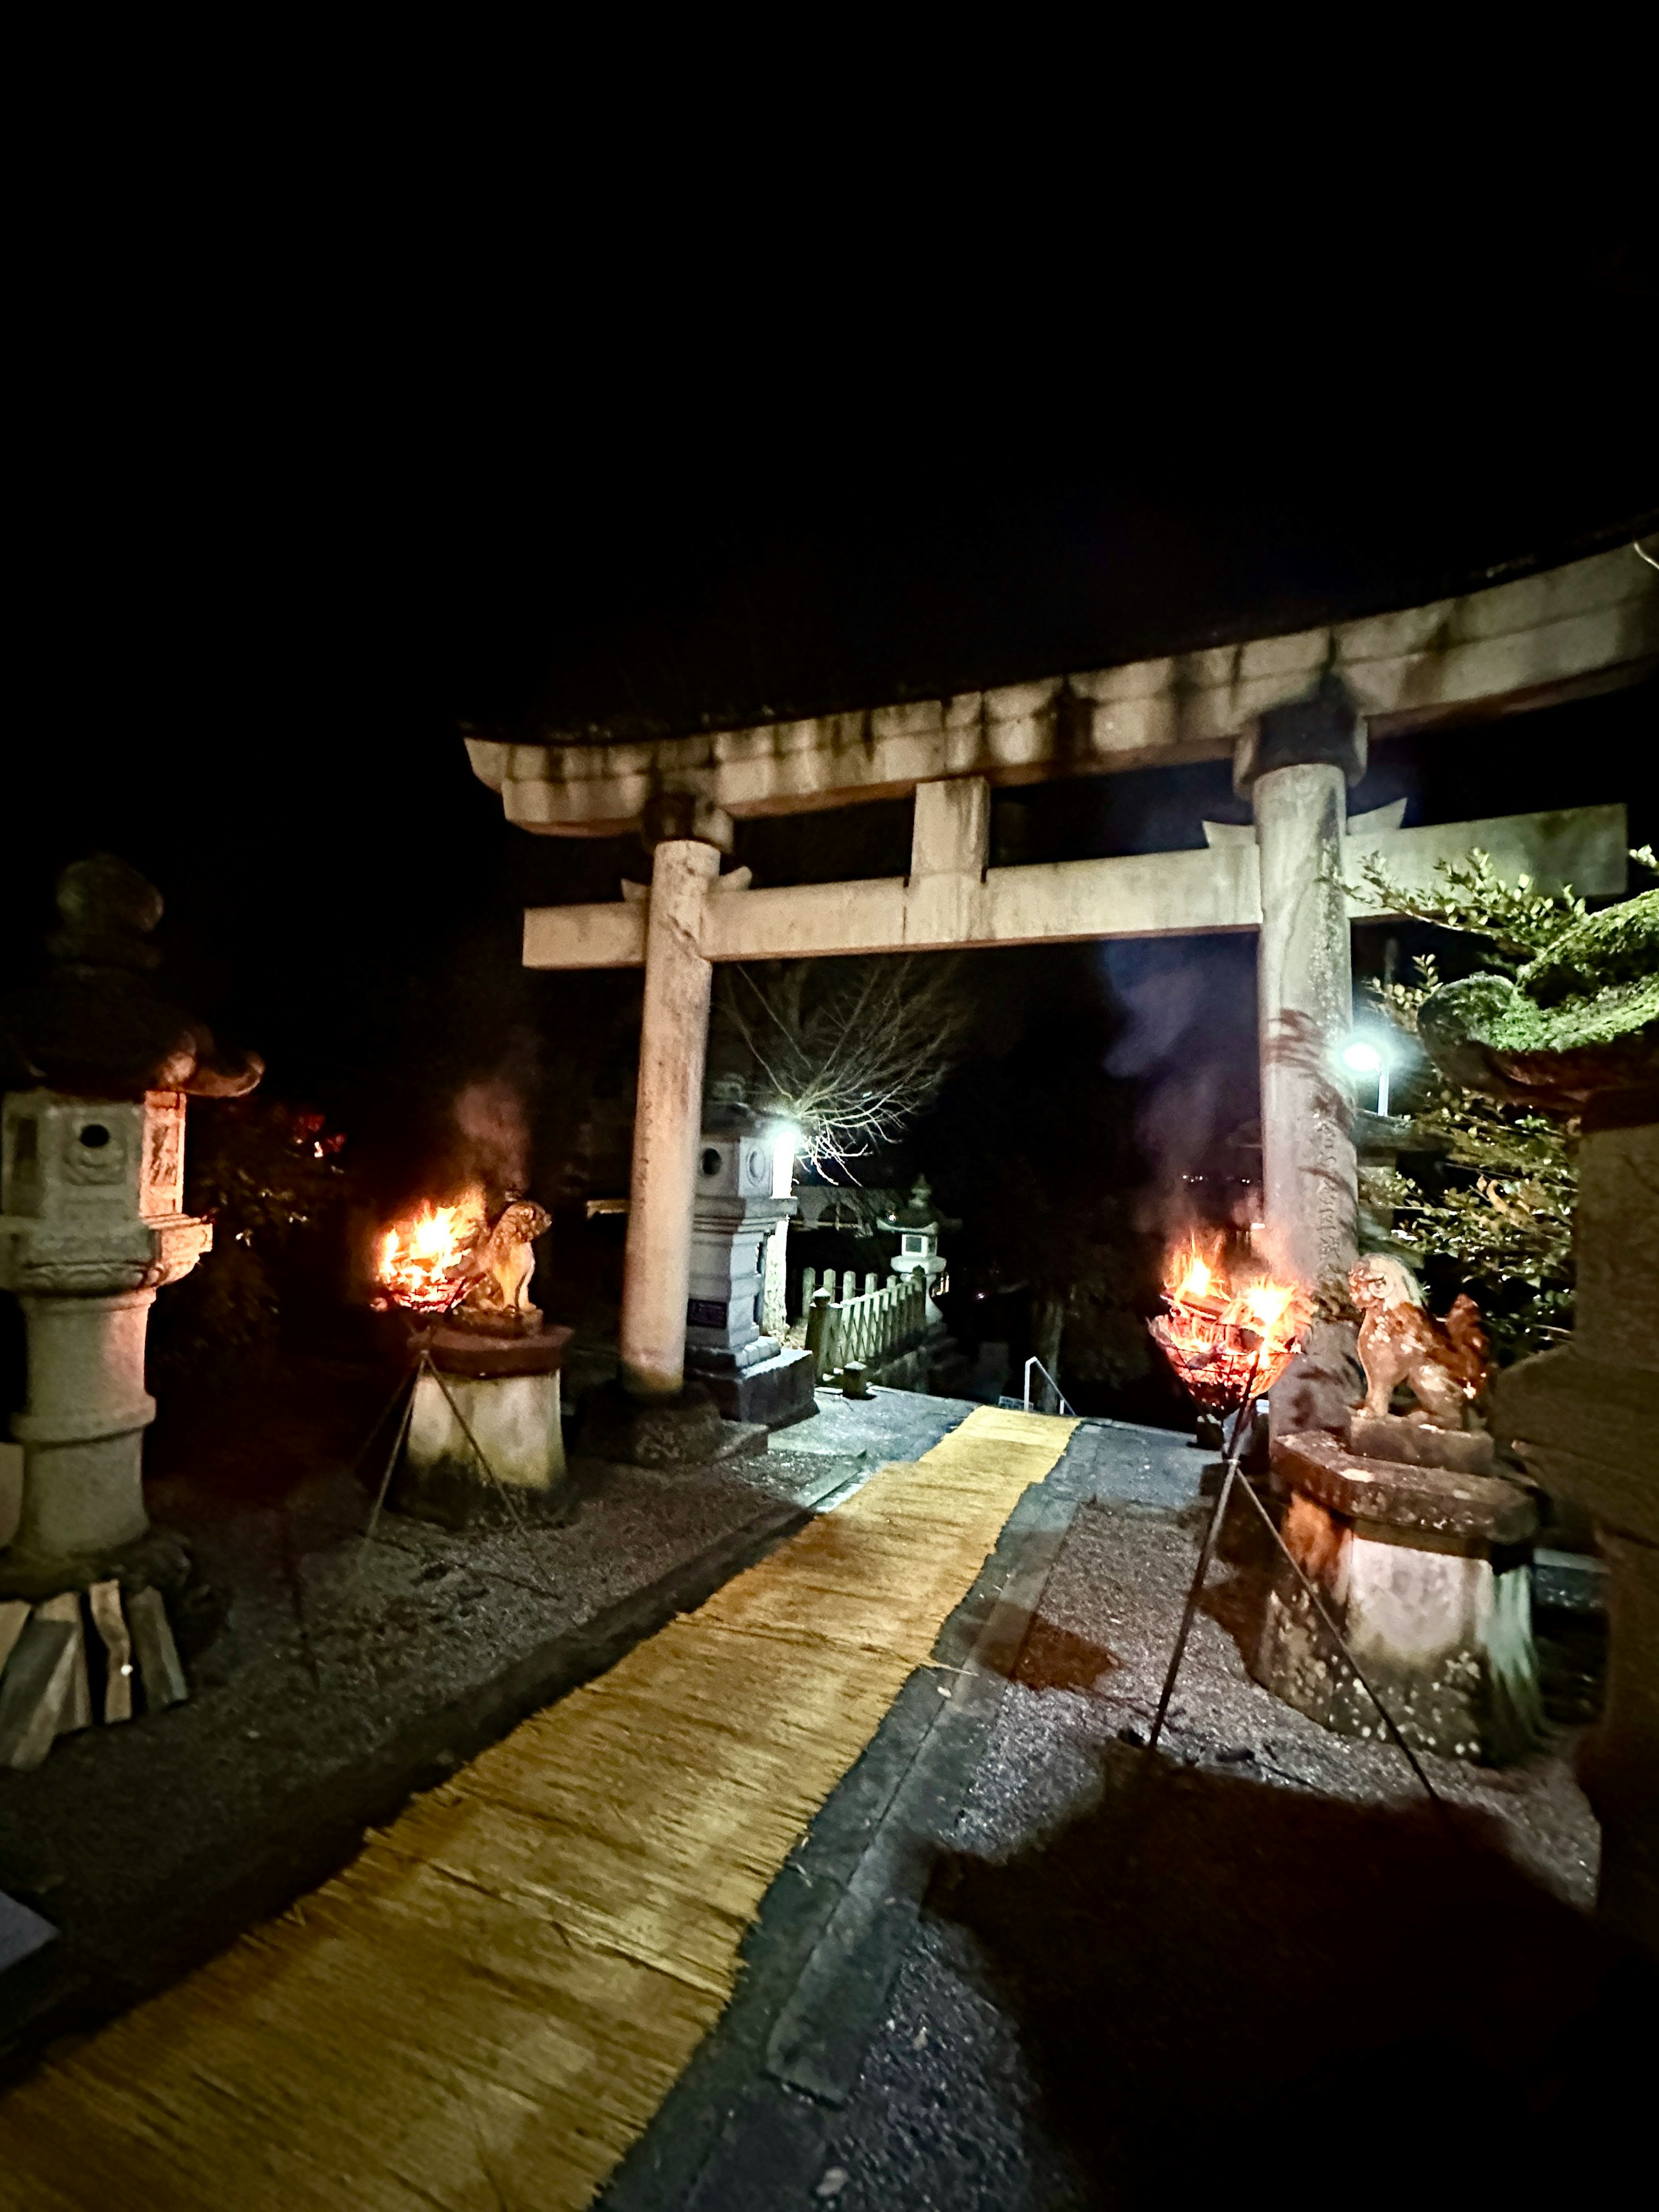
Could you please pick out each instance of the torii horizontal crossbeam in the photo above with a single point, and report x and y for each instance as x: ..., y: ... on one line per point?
x: 950, y: 901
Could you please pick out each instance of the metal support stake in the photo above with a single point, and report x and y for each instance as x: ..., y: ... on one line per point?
x: 1205, y: 1550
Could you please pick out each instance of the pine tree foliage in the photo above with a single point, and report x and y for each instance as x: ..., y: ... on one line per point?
x: 1503, y: 1215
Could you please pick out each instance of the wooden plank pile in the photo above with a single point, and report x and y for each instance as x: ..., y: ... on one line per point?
x: 74, y: 1660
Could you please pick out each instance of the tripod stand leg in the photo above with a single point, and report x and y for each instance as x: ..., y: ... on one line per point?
x: 1189, y: 1611
x: 1342, y: 1645
x: 504, y: 1490
x: 393, y: 1456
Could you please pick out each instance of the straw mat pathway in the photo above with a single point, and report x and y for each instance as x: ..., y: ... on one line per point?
x: 486, y: 2009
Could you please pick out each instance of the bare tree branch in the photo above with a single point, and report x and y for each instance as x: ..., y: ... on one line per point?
x: 850, y: 1050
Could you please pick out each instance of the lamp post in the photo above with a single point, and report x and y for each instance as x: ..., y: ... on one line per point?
x: 1363, y: 1058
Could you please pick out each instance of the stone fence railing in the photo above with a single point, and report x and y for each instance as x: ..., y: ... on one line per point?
x: 871, y: 1325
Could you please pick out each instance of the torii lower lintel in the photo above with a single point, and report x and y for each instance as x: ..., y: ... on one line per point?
x: 940, y: 907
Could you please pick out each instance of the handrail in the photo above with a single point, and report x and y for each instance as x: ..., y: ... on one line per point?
x: 871, y: 1325
x: 1035, y: 1362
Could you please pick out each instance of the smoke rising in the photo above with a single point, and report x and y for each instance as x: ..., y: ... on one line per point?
x: 490, y: 1123
x: 1189, y: 1042
x: 494, y: 1129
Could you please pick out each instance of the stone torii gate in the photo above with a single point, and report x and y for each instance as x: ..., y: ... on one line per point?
x: 1294, y: 712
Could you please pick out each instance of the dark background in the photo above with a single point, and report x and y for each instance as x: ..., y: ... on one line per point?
x: 278, y: 543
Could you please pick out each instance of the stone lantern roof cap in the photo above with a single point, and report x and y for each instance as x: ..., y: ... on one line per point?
x: 95, y: 1028
x: 919, y: 1213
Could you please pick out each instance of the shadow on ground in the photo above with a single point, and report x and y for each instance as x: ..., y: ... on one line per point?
x: 1214, y: 1978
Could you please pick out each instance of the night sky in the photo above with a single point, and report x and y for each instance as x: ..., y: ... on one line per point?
x: 259, y: 600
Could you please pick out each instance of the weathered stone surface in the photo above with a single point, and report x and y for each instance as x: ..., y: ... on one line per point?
x: 775, y: 1393
x: 1426, y: 1573
x: 78, y: 1696
x: 514, y: 1422
x: 91, y: 1228
x: 1599, y: 614
x: 22, y: 1932
x: 1393, y: 1436
x: 11, y: 1491
x: 1305, y: 993
x: 470, y: 1351
x: 1483, y: 1510
x: 673, y: 1048
x: 1584, y: 1420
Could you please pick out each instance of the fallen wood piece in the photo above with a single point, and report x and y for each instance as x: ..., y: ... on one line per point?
x: 77, y: 1704
x: 110, y: 1621
x: 11, y: 1491
x: 13, y: 1614
x: 21, y: 1931
x: 34, y: 1689
x: 158, y: 1655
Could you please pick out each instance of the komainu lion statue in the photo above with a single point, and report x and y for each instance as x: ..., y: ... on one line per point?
x: 499, y: 1267
x: 1446, y: 1363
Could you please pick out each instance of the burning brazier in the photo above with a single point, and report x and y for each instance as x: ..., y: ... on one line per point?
x: 742, y: 1195
x: 1420, y: 1551
x: 482, y: 1431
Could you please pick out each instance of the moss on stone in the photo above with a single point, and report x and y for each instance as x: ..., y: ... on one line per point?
x: 1622, y: 1012
x: 1618, y: 946
x: 1596, y: 989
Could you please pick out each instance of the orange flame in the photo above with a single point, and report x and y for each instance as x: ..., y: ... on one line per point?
x: 422, y: 1261
x: 1226, y: 1342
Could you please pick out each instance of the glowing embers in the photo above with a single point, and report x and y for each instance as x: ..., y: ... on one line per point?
x: 424, y: 1261
x: 1226, y: 1341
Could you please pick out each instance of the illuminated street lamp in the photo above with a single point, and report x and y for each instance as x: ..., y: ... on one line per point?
x: 1366, y: 1059
x: 787, y: 1141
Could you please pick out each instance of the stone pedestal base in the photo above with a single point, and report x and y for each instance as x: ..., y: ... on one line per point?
x: 82, y: 1435
x: 506, y: 1391
x: 1417, y: 1443
x: 775, y: 1391
x: 1591, y: 1428
x: 1426, y: 1573
x: 687, y: 1431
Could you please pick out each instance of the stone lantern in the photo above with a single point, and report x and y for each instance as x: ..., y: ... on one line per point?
x: 1577, y: 1034
x: 742, y: 1199
x: 92, y: 1187
x: 918, y: 1225
x: 93, y: 1227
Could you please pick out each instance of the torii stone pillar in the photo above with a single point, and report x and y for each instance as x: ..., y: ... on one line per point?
x: 667, y: 1121
x: 1296, y: 766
